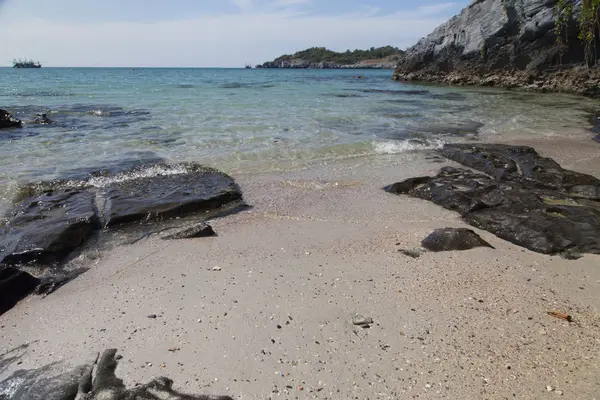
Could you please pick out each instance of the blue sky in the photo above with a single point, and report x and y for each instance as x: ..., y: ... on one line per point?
x: 206, y: 33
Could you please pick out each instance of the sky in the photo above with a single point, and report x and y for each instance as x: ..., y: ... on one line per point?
x: 206, y: 33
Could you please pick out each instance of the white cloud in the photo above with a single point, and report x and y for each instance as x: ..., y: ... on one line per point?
x: 243, y: 4
x: 287, y: 3
x: 211, y: 40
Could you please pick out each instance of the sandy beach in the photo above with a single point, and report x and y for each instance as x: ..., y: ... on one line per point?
x: 264, y: 310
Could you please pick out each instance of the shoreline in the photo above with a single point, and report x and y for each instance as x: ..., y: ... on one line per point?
x: 320, y: 244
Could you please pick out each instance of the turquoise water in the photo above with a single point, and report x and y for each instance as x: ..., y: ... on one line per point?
x: 246, y: 120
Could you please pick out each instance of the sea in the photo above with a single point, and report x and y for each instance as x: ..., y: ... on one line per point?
x: 249, y: 120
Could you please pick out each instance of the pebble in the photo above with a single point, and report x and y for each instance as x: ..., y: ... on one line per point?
x: 549, y: 388
x: 361, y: 321
x: 217, y: 268
x: 152, y: 316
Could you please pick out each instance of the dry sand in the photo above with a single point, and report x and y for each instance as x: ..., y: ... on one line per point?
x: 321, y: 244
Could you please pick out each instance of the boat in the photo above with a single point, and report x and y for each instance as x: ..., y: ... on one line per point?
x: 26, y: 64
x: 248, y: 66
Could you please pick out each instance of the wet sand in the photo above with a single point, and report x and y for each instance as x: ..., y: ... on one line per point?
x: 319, y: 245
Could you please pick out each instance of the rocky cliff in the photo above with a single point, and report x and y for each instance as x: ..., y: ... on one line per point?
x: 508, y: 43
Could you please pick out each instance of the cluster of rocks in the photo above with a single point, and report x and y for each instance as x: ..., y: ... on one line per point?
x: 56, y: 218
x: 521, y: 197
x: 7, y: 120
x: 504, y: 44
x: 95, y: 380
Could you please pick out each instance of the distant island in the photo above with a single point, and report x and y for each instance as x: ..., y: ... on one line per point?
x: 26, y: 64
x: 323, y: 58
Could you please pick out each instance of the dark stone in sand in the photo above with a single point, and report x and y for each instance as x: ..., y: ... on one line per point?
x: 180, y: 190
x: 597, y: 138
x: 196, y: 231
x: 15, y: 285
x: 449, y: 239
x: 526, y: 199
x: 410, y: 253
x: 46, y: 228
x: 8, y: 121
x: 94, y: 381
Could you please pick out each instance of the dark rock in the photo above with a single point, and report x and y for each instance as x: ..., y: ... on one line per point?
x: 45, y: 229
x: 524, y: 164
x: 15, y: 285
x: 197, y: 231
x: 8, y: 121
x: 170, y: 191
x: 449, y: 239
x: 526, y: 199
x: 42, y: 119
x: 597, y: 138
x: 93, y: 381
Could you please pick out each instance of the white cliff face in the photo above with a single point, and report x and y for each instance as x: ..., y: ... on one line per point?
x: 485, y: 27
x: 502, y: 43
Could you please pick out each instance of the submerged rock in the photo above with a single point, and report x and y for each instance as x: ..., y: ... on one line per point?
x: 15, y: 285
x: 196, y: 231
x: 176, y: 191
x: 93, y: 381
x: 526, y: 199
x: 42, y: 119
x: 8, y: 121
x: 46, y: 228
x: 449, y: 239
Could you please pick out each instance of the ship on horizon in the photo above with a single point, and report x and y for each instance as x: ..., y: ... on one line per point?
x: 26, y: 64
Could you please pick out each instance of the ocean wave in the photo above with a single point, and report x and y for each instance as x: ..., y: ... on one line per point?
x: 101, y: 180
x: 395, y: 147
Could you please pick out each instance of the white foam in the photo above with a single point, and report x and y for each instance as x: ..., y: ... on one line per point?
x: 156, y: 170
x: 395, y: 147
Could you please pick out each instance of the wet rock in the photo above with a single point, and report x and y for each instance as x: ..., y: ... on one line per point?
x: 15, y: 285
x: 169, y: 191
x: 449, y: 239
x: 526, y: 199
x: 42, y: 119
x: 597, y: 138
x: 93, y: 381
x: 8, y: 121
x: 46, y: 228
x: 196, y: 231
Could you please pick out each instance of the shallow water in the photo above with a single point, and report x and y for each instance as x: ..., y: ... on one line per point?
x: 249, y: 120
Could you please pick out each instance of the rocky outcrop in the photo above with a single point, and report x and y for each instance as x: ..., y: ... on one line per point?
x: 453, y: 239
x: 8, y: 121
x: 507, y: 43
x: 523, y: 198
x: 95, y: 380
x: 54, y: 219
x: 177, y: 191
x: 305, y: 64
